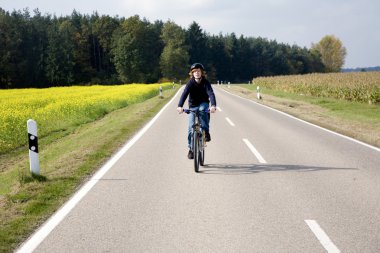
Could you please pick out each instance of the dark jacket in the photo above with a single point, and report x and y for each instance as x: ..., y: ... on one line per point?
x: 198, y: 93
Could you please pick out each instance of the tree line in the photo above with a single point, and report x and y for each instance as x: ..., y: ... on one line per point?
x: 44, y: 50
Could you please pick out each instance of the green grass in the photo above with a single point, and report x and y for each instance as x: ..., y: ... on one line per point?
x: 67, y: 158
x: 360, y: 121
x: 355, y: 111
x: 351, y: 110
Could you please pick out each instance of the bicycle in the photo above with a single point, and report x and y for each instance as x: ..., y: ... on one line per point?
x: 198, y: 139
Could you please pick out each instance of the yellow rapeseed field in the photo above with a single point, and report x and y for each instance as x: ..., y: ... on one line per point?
x: 358, y: 86
x: 58, y: 108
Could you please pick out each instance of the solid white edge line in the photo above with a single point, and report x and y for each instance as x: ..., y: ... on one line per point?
x: 230, y: 122
x: 322, y: 236
x: 254, y: 151
x: 308, y: 123
x: 32, y: 243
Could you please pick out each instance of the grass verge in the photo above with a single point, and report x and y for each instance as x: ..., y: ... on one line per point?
x: 357, y: 120
x: 67, y: 159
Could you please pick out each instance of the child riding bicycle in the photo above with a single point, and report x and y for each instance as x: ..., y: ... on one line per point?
x: 200, y: 94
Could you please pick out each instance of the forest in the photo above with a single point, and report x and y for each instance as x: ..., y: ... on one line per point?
x: 43, y: 50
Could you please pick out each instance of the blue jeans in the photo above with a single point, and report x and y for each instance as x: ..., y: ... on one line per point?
x: 203, y: 116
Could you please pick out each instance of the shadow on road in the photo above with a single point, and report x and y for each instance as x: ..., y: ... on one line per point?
x: 257, y: 168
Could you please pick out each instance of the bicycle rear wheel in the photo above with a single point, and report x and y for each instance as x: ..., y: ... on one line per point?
x: 196, y: 151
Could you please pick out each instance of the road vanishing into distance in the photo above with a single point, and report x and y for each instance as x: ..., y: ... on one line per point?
x: 271, y: 183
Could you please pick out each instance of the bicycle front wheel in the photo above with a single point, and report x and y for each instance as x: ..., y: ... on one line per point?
x: 196, y: 151
x: 202, y: 149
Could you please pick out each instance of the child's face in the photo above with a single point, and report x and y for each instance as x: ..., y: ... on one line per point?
x: 197, y: 73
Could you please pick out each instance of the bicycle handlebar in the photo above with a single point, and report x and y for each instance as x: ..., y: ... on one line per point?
x: 195, y: 111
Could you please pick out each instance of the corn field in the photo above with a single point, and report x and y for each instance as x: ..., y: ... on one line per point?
x: 358, y: 86
x: 58, y: 108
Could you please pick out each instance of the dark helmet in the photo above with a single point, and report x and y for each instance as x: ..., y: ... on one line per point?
x: 197, y: 66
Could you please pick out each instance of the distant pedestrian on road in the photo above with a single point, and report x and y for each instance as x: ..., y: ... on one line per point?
x: 200, y: 94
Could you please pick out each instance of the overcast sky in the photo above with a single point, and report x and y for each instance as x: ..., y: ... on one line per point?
x: 302, y: 22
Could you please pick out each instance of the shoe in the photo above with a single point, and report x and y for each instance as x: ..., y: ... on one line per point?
x: 190, y: 155
x: 207, y: 137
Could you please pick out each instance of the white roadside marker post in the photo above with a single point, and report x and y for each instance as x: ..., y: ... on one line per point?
x: 160, y: 96
x: 33, y: 147
x: 258, y: 92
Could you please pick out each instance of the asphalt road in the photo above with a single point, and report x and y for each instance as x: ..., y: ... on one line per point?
x: 271, y: 183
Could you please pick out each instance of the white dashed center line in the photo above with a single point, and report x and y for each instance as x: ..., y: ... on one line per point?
x: 254, y: 151
x: 322, y: 236
x: 230, y: 122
